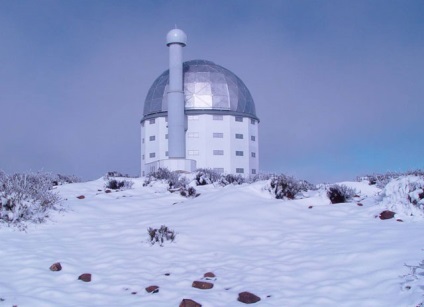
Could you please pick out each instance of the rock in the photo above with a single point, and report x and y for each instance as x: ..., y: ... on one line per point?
x: 203, y: 285
x: 81, y: 197
x: 108, y: 191
x: 85, y: 277
x: 387, y: 214
x: 209, y: 275
x: 399, y: 220
x: 310, y: 207
x: 134, y: 293
x: 248, y: 298
x: 167, y: 274
x: 189, y: 303
x: 56, y: 267
x: 359, y: 204
x: 152, y: 289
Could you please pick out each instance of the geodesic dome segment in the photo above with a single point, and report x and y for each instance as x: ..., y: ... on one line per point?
x: 207, y: 87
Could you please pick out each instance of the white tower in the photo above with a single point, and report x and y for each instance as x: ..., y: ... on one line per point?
x: 176, y: 40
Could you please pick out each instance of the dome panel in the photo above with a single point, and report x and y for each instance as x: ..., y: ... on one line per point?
x: 207, y: 88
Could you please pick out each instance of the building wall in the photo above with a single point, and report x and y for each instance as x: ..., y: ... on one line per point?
x: 221, y: 142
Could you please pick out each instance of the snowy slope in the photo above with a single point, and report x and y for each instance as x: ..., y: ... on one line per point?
x: 304, y: 252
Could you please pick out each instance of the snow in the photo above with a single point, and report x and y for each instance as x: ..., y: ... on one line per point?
x: 303, y: 252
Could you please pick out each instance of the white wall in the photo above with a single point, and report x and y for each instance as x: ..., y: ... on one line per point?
x: 201, y: 143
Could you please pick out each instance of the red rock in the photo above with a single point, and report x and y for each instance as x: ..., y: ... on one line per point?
x: 387, y: 214
x: 189, y: 303
x: 359, y: 204
x: 209, y: 275
x: 152, y: 289
x: 134, y: 293
x: 81, y: 197
x: 248, y: 298
x: 204, y: 285
x: 108, y: 191
x: 56, y: 267
x: 310, y: 207
x: 85, y: 277
x: 399, y: 220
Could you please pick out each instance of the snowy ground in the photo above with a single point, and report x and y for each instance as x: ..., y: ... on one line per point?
x: 285, y: 252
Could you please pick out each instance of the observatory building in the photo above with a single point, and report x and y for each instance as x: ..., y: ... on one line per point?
x: 198, y: 114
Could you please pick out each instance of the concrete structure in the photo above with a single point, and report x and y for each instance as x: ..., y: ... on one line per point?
x: 198, y: 115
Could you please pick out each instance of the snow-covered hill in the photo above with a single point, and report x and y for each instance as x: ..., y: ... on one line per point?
x: 303, y: 252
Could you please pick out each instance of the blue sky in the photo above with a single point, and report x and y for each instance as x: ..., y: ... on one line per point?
x: 338, y: 85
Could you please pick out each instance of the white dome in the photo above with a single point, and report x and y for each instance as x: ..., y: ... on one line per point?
x: 176, y: 36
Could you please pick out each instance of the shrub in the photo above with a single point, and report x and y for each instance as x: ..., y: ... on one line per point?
x: 381, y: 180
x: 119, y: 184
x: 231, y: 179
x: 340, y: 193
x: 115, y: 174
x: 172, y: 178
x: 207, y: 176
x: 189, y: 193
x: 64, y: 179
x: 26, y: 197
x: 283, y: 186
x: 161, y: 235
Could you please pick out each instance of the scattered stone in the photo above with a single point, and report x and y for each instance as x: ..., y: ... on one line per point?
x: 108, y: 191
x: 56, y: 267
x: 189, y: 303
x: 152, y: 289
x: 248, y: 298
x: 359, y: 204
x: 209, y: 275
x: 269, y: 296
x: 81, y: 197
x: 203, y: 285
x: 134, y: 293
x: 85, y: 277
x: 387, y: 214
x: 310, y: 207
x: 167, y: 274
x: 399, y: 220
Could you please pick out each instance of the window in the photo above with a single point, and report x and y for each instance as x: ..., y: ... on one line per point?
x: 142, y: 141
x: 252, y: 138
x: 152, y: 138
x: 166, y: 153
x: 253, y: 154
x: 218, y: 152
x: 239, y: 136
x: 152, y: 155
x: 151, y: 121
x: 193, y: 152
x: 252, y: 121
x: 218, y: 117
x: 193, y: 134
x: 253, y: 171
x: 239, y: 153
x: 239, y: 119
x: 166, y: 136
x: 239, y: 170
x: 166, y: 119
x: 218, y: 135
x: 193, y: 117
x: 142, y: 157
x: 219, y: 170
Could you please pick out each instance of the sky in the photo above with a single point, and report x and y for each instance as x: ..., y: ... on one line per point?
x: 338, y: 85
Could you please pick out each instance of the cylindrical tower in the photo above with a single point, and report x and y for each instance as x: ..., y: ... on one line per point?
x: 176, y: 40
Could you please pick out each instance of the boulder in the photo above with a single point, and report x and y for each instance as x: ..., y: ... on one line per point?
x: 248, y: 298
x: 85, y: 277
x: 56, y: 267
x: 189, y: 303
x: 81, y: 197
x: 387, y: 214
x: 203, y: 285
x: 152, y: 289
